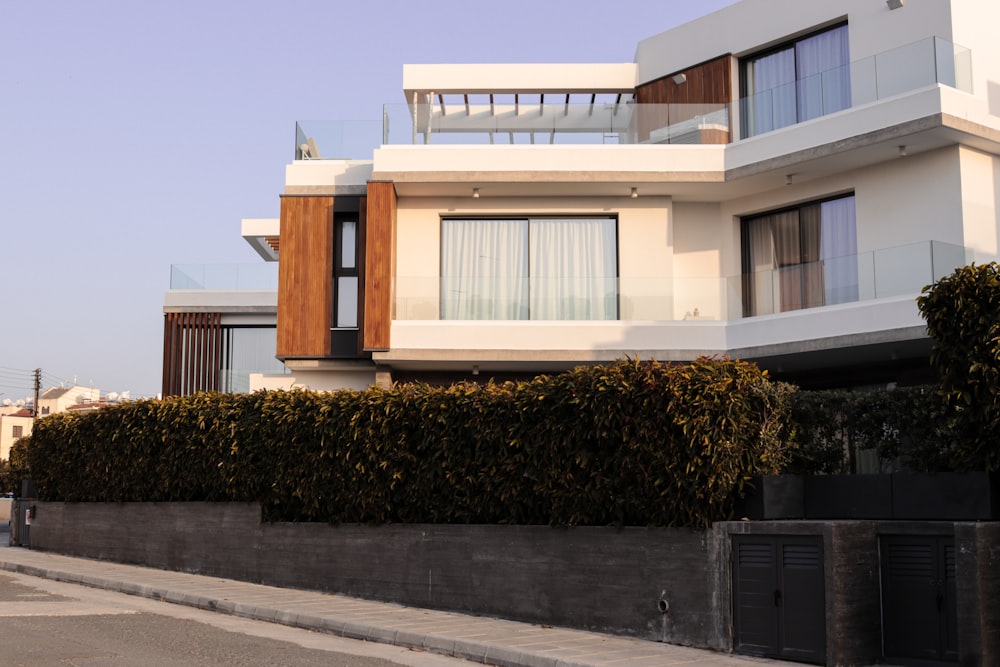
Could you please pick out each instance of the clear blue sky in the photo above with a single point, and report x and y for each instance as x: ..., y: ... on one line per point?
x: 136, y: 134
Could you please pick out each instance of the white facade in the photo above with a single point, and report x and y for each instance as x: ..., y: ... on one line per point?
x: 13, y: 427
x: 913, y: 147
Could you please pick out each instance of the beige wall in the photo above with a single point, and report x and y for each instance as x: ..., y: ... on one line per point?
x: 980, y: 190
x: 7, y: 439
x: 644, y: 247
x: 313, y: 380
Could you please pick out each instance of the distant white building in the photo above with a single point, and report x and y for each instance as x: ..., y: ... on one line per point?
x: 60, y: 399
x: 13, y: 426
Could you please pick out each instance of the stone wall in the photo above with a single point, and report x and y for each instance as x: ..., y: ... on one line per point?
x: 609, y: 580
x: 604, y: 579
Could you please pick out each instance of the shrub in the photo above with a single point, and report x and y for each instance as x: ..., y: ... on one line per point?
x: 963, y: 316
x: 629, y: 443
x: 905, y: 428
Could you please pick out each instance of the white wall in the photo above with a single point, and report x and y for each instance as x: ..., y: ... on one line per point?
x: 752, y: 25
x: 313, y: 380
x: 980, y: 191
x: 705, y: 244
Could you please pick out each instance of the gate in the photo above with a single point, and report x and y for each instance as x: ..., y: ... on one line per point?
x: 919, y: 611
x: 779, y: 607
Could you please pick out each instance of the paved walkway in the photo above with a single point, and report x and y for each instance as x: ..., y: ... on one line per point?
x: 479, y: 639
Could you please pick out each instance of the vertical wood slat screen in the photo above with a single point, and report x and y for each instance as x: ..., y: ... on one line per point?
x: 380, y: 238
x: 709, y: 83
x: 192, y: 353
x: 305, y: 277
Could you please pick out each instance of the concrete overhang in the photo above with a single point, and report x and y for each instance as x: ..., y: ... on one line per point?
x: 921, y: 121
x: 262, y: 235
x: 479, y: 79
x: 220, y: 301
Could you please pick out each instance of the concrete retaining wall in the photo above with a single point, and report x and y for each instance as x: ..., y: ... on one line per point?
x: 602, y: 579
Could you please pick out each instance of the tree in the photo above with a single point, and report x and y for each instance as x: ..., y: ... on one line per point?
x: 963, y: 316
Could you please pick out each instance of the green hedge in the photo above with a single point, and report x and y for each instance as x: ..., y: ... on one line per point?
x: 632, y: 443
x: 906, y: 428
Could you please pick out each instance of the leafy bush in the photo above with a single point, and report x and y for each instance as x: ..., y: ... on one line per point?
x: 963, y: 316
x: 630, y: 443
x: 906, y: 429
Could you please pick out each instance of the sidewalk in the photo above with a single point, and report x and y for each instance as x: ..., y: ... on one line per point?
x: 479, y: 639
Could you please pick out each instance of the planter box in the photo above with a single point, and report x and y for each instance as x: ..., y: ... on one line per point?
x: 848, y: 496
x: 772, y: 497
x: 952, y: 496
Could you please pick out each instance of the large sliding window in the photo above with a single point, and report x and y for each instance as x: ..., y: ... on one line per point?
x: 805, y: 79
x: 800, y: 257
x: 246, y: 350
x: 529, y: 269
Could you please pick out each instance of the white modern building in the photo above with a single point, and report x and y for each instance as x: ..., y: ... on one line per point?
x: 774, y: 181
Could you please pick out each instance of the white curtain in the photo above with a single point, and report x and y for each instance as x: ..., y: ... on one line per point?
x: 484, y: 269
x: 823, y: 73
x: 838, y: 249
x: 771, y: 84
x: 574, y: 269
x: 759, y: 268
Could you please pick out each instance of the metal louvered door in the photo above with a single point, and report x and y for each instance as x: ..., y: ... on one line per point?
x: 919, y: 611
x: 779, y: 608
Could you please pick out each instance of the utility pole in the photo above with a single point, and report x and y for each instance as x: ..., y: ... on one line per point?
x: 38, y: 386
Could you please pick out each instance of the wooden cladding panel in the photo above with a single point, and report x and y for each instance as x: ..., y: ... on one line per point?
x: 379, y: 253
x: 709, y: 83
x: 305, y: 277
x: 192, y: 353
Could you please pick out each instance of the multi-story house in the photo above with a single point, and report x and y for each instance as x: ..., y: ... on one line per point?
x: 774, y: 181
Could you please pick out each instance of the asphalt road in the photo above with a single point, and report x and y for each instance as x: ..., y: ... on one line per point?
x: 48, y: 623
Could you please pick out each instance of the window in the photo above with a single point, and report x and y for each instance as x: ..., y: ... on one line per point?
x: 247, y: 349
x: 529, y: 269
x: 800, y: 257
x: 805, y: 79
x: 17, y: 431
x: 345, y: 274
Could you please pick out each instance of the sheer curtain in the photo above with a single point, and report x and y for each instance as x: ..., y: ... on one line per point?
x: 759, y: 264
x: 771, y: 85
x: 823, y: 73
x: 484, y: 269
x: 801, y: 258
x: 574, y: 269
x: 838, y: 249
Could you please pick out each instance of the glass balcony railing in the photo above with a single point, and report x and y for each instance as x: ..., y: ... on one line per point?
x: 556, y: 123
x: 260, y: 276
x: 905, y: 68
x: 550, y: 121
x: 337, y: 139
x: 889, y: 272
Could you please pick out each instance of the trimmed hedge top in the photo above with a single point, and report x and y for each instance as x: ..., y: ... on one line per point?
x: 632, y: 443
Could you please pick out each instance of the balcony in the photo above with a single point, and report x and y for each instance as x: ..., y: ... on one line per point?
x: 531, y: 119
x: 906, y: 68
x: 886, y: 273
x: 225, y: 277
